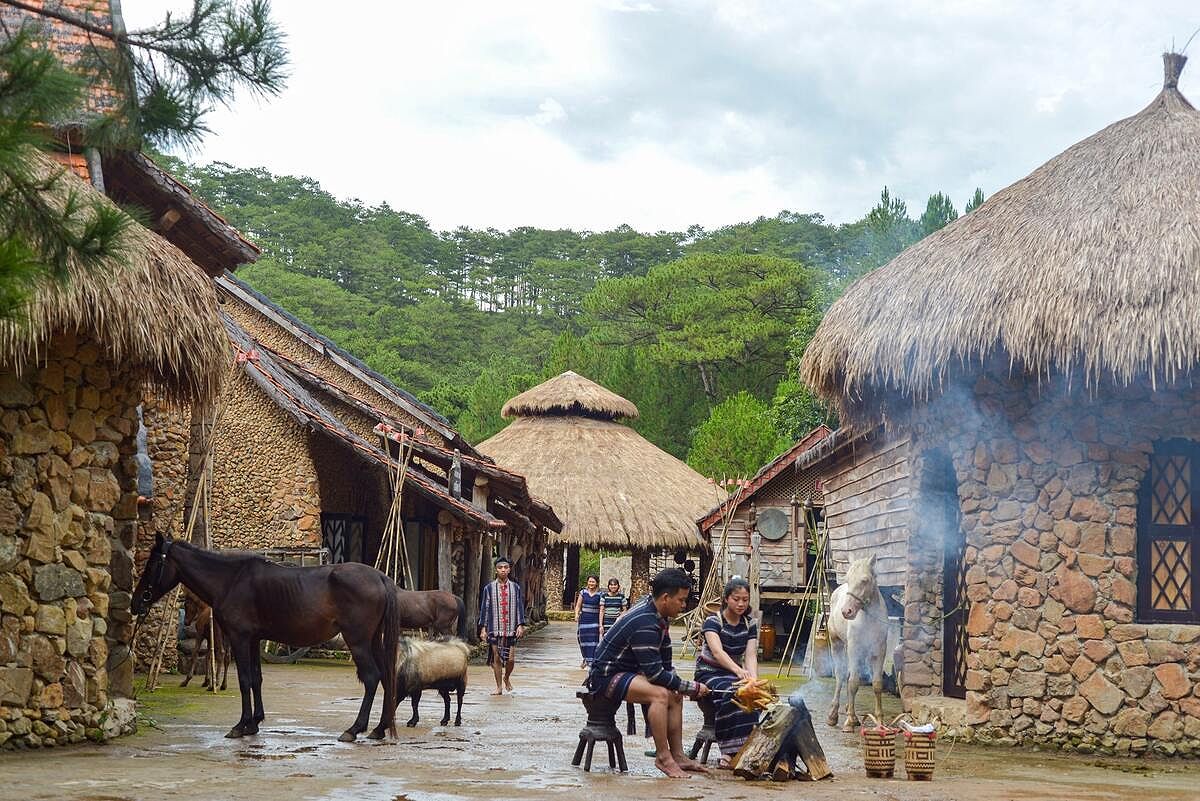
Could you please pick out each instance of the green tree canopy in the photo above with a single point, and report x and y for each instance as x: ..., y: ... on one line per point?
x: 708, y: 311
x: 737, y: 439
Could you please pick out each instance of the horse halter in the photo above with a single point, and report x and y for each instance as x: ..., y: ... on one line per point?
x: 861, y: 603
x: 159, y: 566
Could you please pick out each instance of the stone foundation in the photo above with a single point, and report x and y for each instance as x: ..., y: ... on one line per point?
x: 68, y: 519
x: 1048, y: 483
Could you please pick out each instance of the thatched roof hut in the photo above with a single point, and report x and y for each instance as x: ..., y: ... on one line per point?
x: 610, y: 486
x: 1089, y: 266
x: 154, y: 311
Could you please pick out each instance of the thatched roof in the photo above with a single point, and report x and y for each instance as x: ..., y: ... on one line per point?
x: 571, y: 394
x: 154, y: 313
x: 1089, y: 266
x: 609, y: 485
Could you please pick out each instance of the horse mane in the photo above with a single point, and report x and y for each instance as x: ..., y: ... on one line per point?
x: 231, y: 556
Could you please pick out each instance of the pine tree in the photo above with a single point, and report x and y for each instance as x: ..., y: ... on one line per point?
x: 165, y: 79
x: 939, y: 211
x: 975, y: 202
x: 168, y: 77
x: 42, y: 227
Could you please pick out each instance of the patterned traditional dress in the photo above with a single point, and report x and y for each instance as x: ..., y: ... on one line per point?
x: 733, y: 725
x: 501, y: 610
x: 589, y: 624
x: 612, y: 604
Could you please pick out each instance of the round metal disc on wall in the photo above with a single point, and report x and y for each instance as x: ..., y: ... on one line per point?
x: 772, y: 524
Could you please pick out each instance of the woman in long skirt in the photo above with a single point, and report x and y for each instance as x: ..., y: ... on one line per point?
x: 587, y: 615
x: 729, y: 654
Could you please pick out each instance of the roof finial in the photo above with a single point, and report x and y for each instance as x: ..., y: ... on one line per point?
x: 1172, y: 66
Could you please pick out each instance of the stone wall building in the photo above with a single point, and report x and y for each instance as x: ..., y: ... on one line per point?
x: 74, y: 368
x: 1040, y: 355
x: 305, y: 444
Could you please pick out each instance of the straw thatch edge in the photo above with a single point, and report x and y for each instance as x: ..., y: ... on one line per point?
x: 153, y: 311
x: 570, y: 394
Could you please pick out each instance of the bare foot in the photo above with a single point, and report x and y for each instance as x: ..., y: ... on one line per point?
x: 496, y: 691
x: 508, y: 685
x: 724, y: 763
x: 690, y: 765
x: 669, y: 767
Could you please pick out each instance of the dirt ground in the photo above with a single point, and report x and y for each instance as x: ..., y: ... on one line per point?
x: 514, y: 747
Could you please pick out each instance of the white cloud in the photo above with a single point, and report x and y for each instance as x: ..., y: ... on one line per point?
x: 669, y: 113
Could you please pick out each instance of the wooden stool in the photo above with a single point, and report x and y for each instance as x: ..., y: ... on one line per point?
x: 601, y: 727
x: 708, y: 733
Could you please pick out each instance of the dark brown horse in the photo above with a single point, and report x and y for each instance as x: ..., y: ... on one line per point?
x: 434, y: 611
x: 256, y: 600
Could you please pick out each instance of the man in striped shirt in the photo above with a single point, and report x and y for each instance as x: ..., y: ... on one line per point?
x: 633, y: 663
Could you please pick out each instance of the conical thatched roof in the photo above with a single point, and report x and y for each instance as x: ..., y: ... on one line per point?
x: 1090, y: 265
x: 569, y: 393
x: 609, y: 485
x: 154, y: 313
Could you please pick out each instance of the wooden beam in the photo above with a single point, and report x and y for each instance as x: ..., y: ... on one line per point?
x: 167, y: 220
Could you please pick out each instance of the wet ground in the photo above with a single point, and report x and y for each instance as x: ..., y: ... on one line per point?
x: 514, y: 747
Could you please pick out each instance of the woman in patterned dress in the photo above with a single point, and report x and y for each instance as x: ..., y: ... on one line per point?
x: 612, y: 605
x: 587, y: 615
x: 730, y: 653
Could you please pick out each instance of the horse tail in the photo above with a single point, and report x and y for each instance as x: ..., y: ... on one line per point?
x: 462, y: 618
x: 391, y: 643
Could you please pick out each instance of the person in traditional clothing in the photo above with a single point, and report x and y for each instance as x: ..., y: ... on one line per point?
x: 730, y: 654
x: 587, y: 618
x: 502, y: 623
x: 612, y: 605
x: 633, y: 663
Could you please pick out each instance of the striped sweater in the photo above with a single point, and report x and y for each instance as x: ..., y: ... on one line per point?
x: 639, y: 642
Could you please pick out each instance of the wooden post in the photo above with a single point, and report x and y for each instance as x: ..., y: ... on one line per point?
x: 444, y: 579
x: 571, y: 577
x: 479, y: 561
x: 752, y: 578
x: 472, y: 555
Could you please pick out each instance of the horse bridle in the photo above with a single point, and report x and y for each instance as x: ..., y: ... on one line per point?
x: 158, y: 567
x: 861, y: 603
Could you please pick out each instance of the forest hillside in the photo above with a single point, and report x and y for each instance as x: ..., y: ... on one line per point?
x: 700, y: 328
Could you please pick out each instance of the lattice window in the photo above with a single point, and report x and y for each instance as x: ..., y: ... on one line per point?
x: 1171, y: 501
x: 1168, y: 578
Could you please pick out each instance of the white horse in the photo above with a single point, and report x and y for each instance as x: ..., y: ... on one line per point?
x: 858, y: 638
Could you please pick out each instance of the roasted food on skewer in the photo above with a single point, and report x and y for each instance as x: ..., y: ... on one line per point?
x: 754, y: 694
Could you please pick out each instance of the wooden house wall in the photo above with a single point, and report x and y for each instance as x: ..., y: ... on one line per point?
x: 780, y: 561
x: 867, y: 503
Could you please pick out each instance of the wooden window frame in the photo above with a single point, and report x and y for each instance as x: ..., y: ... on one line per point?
x: 1149, y: 532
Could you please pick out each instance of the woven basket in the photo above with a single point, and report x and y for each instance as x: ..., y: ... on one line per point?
x: 919, y: 750
x: 879, y: 750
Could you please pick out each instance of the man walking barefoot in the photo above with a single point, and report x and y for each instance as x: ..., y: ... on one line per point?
x: 502, y: 623
x: 633, y: 663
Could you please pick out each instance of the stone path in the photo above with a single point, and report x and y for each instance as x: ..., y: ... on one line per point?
x: 514, y: 747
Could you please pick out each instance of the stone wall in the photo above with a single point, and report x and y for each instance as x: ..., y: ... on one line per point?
x: 265, y: 488
x: 167, y: 439
x: 1048, y: 484
x: 554, y: 577
x: 68, y: 519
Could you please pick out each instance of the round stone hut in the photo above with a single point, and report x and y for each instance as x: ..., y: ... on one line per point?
x: 611, y: 487
x: 1042, y: 354
x: 74, y: 366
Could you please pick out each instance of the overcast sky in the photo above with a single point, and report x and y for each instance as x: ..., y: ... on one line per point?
x: 662, y: 114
